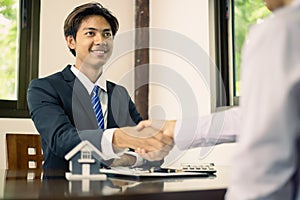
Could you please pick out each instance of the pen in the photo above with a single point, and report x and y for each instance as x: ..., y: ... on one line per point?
x: 162, y: 170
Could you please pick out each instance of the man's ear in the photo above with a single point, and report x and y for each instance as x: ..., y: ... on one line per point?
x: 70, y: 42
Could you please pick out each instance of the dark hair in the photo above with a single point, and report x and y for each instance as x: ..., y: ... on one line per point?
x: 75, y: 18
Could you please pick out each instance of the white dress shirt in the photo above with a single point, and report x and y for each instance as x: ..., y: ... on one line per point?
x: 106, y: 141
x: 267, y: 153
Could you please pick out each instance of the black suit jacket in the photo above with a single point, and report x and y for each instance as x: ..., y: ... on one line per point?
x: 62, y: 112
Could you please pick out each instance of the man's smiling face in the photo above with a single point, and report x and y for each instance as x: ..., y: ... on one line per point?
x: 94, y: 42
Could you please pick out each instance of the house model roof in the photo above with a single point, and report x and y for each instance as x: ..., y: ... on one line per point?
x: 87, y: 145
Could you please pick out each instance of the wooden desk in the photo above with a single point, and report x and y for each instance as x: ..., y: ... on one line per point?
x: 29, y: 185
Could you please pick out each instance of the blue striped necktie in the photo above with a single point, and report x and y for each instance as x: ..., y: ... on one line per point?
x: 97, y: 107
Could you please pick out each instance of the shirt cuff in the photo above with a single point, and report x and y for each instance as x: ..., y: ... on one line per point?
x: 106, y: 145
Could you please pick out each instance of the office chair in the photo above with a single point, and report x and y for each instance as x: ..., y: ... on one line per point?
x: 24, y: 151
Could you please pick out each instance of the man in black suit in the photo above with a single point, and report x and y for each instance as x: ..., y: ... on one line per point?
x: 60, y: 104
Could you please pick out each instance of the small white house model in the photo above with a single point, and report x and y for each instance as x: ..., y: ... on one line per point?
x: 84, y: 162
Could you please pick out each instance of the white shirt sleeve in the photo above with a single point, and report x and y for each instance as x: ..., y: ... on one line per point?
x: 106, y: 145
x: 216, y: 128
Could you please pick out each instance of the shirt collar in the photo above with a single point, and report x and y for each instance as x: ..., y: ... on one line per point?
x: 89, y: 85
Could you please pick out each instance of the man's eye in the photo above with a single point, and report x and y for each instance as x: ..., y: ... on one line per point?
x: 90, y: 33
x: 107, y: 34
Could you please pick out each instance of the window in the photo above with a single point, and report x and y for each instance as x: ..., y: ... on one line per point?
x: 245, y: 14
x: 86, y: 155
x: 19, y: 44
x: 233, y: 19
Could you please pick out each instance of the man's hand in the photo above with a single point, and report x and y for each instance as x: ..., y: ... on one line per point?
x: 151, y: 139
x: 155, y: 155
x: 166, y: 126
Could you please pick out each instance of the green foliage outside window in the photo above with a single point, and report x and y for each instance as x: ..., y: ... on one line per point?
x: 246, y: 13
x: 8, y: 48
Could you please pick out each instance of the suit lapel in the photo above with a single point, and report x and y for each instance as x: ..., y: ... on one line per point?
x: 110, y: 119
x: 82, y: 103
x: 83, y: 113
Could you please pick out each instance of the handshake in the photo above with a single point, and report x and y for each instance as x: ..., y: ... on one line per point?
x: 151, y: 139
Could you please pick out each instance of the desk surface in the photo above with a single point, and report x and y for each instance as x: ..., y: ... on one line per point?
x: 29, y: 185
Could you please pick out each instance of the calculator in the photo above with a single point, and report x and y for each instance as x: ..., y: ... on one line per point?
x: 202, y: 168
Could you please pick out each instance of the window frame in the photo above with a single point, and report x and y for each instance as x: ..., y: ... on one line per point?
x: 28, y: 58
x: 225, y: 53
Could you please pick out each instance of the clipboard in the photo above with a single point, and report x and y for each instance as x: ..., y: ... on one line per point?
x: 139, y: 173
